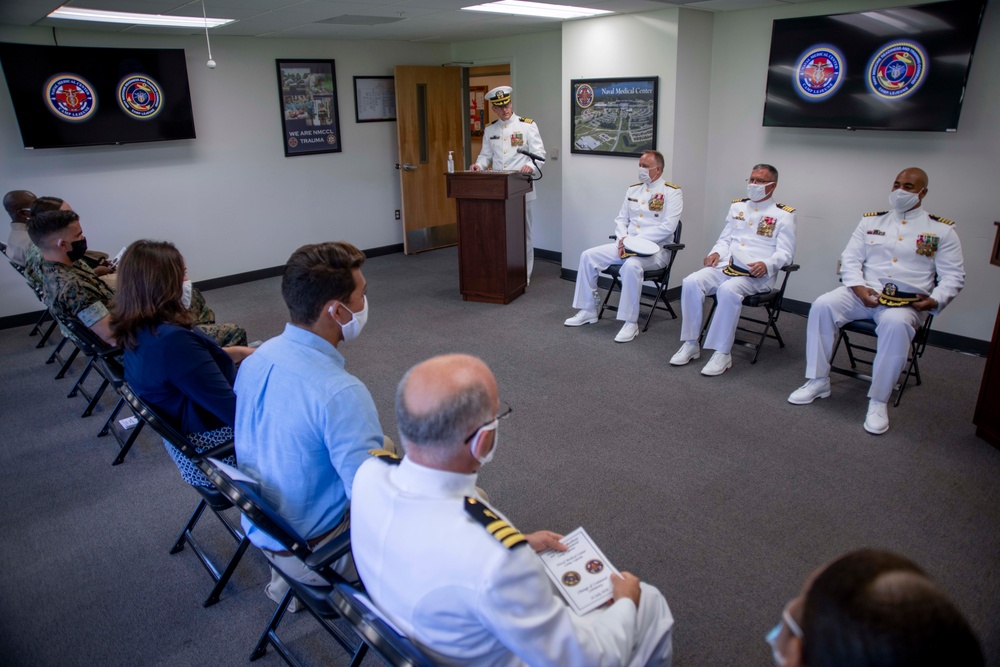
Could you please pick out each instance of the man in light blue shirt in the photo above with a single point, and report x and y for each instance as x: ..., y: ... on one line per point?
x: 304, y: 424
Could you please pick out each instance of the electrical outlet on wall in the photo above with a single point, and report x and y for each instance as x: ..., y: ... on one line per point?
x: 397, y: 218
x: 838, y: 267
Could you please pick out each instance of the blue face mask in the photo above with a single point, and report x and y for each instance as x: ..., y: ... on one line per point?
x: 772, y: 639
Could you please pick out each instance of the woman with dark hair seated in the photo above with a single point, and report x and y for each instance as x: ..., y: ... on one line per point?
x: 873, y: 608
x: 180, y: 371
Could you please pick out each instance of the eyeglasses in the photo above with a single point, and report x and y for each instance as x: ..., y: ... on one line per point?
x: 757, y: 181
x: 505, y: 410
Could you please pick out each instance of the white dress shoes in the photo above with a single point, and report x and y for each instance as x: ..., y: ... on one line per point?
x: 718, y: 364
x: 629, y: 331
x: 877, y: 420
x: 684, y: 355
x: 581, y: 318
x: 810, y: 391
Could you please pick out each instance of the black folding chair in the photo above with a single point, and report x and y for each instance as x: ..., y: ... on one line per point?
x: 867, y: 328
x: 211, y: 498
x: 375, y: 632
x: 318, y: 600
x: 659, y: 278
x: 93, y: 347
x: 112, y: 369
x: 45, y: 315
x: 771, y: 302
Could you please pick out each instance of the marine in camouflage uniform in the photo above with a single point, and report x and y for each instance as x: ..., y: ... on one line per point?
x: 76, y: 291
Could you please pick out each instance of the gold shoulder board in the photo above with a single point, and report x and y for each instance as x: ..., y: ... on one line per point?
x: 527, y: 120
x: 671, y: 185
x: 940, y: 219
x: 503, y: 532
x: 874, y: 213
x: 635, y: 184
x: 737, y: 201
x: 787, y: 208
x: 385, y: 456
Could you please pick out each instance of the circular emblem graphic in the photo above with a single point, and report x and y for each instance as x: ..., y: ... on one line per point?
x: 331, y: 139
x: 897, y: 70
x: 139, y: 96
x: 292, y: 142
x: 571, y: 578
x: 594, y: 566
x: 70, y: 97
x: 819, y: 73
x: 584, y: 96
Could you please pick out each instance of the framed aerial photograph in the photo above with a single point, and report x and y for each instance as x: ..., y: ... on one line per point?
x: 374, y: 98
x: 310, y: 118
x: 613, y: 116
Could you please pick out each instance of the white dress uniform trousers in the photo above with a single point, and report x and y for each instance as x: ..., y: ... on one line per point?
x: 499, y: 153
x: 469, y: 595
x: 916, y: 248
x: 650, y: 212
x: 761, y: 231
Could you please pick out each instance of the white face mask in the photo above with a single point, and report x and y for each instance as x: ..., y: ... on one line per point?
x: 352, y: 329
x: 901, y: 201
x: 186, y: 288
x: 644, y: 175
x: 492, y: 426
x: 757, y: 191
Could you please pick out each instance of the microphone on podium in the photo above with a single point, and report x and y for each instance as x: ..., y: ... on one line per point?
x: 524, y: 151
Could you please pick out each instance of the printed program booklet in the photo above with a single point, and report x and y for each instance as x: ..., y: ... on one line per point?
x: 582, y: 573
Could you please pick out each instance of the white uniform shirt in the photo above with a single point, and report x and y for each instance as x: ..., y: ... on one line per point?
x: 764, y: 231
x: 460, y: 593
x: 650, y: 212
x: 913, y: 247
x: 18, y: 243
x: 501, y: 141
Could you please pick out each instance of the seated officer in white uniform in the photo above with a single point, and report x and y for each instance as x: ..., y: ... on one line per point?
x: 651, y: 211
x: 501, y: 140
x: 915, y: 260
x: 757, y: 241
x: 450, y: 573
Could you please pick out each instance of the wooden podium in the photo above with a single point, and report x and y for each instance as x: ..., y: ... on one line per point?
x: 491, y: 261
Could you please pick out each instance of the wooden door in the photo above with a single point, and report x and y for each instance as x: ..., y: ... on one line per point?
x: 429, y: 119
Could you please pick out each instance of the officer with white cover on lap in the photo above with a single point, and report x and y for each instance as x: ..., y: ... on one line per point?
x: 651, y: 211
x: 757, y: 241
x: 501, y: 140
x: 450, y: 572
x: 898, y: 265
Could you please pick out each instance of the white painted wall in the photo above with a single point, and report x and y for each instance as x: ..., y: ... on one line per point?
x: 833, y: 176
x: 630, y: 45
x: 229, y: 199
x: 535, y: 76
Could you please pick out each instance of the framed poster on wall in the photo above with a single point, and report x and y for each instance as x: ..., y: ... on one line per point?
x: 477, y: 110
x: 613, y: 116
x: 310, y: 118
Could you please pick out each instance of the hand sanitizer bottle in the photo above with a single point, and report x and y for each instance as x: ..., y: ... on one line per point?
x: 451, y: 162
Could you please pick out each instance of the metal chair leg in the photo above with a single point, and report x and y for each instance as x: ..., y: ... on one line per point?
x: 127, y: 445
x: 83, y: 377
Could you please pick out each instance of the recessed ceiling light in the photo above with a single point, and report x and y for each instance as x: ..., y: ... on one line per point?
x: 523, y: 8
x: 99, y: 15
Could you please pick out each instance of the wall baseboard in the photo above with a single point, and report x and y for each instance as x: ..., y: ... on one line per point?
x: 550, y: 255
x: 944, y: 340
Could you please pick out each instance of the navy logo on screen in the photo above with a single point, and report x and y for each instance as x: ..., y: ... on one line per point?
x: 584, y: 96
x: 70, y: 97
x: 139, y: 96
x: 897, y: 70
x: 819, y: 73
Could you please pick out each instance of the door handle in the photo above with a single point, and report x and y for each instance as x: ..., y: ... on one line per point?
x: 409, y: 167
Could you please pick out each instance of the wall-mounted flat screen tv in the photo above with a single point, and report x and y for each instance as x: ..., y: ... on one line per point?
x: 903, y: 68
x: 74, y: 96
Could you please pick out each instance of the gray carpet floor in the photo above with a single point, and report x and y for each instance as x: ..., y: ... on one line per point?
x: 716, y: 490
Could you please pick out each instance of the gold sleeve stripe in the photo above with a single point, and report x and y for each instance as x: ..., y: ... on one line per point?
x: 514, y: 540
